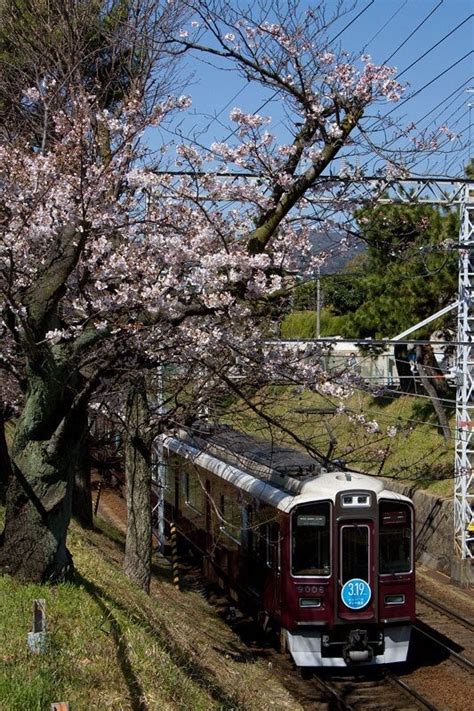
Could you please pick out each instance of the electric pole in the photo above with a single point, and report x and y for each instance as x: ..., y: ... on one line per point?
x: 464, y: 440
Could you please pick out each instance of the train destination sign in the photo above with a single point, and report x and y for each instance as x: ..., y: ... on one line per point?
x: 356, y: 594
x: 307, y: 520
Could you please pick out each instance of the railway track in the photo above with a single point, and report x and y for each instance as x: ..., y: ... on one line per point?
x: 377, y: 689
x: 383, y: 691
x: 438, y: 641
x: 447, y: 629
x: 439, y: 607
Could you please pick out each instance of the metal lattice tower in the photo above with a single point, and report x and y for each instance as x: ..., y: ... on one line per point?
x: 464, y: 440
x: 446, y: 192
x: 449, y: 192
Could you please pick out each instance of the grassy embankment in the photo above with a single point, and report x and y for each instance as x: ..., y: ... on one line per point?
x: 113, y: 647
x: 417, y: 453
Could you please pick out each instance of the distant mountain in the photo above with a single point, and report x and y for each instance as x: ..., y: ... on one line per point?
x: 339, y: 249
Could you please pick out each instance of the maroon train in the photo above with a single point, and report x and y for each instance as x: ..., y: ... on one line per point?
x: 326, y: 556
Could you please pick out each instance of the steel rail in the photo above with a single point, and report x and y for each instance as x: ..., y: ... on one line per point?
x: 454, y: 656
x: 342, y: 704
x: 410, y: 691
x: 445, y: 610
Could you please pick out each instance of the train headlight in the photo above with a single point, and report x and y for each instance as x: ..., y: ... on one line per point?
x: 310, y: 602
x: 394, y: 599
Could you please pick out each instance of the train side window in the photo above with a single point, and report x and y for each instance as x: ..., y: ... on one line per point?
x: 193, y: 492
x: 310, y: 540
x: 231, y: 523
x: 395, y: 538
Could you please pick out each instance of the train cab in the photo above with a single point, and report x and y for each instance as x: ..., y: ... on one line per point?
x: 349, y: 597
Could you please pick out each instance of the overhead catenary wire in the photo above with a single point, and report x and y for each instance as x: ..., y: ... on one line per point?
x: 421, y: 57
x: 384, y: 26
x: 428, y: 51
x: 419, y: 26
x: 440, y: 148
x: 436, y: 119
x: 418, y: 121
x: 333, y: 39
x: 446, y: 98
x: 425, y: 86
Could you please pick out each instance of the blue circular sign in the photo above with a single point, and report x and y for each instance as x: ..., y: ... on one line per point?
x: 356, y: 594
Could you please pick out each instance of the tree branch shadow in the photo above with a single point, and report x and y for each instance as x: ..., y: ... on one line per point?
x: 135, y: 689
x: 202, y: 676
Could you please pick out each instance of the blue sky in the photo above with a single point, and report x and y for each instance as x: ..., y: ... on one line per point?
x: 379, y: 30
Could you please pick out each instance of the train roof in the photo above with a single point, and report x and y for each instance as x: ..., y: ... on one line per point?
x: 269, y: 485
x: 257, y: 455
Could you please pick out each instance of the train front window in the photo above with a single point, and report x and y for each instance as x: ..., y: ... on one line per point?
x: 355, y: 552
x: 310, y: 546
x: 395, y: 550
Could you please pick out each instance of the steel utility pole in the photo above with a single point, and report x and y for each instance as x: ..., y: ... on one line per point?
x: 448, y: 192
x: 443, y: 191
x: 464, y: 440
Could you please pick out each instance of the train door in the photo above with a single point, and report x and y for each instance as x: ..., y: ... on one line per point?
x: 208, y: 514
x: 272, y: 559
x: 356, y: 579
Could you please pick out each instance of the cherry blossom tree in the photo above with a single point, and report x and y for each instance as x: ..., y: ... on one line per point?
x: 70, y: 57
x: 111, y: 263
x: 325, y: 97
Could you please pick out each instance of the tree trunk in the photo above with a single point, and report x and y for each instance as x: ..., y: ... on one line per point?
x: 429, y: 372
x: 44, y: 457
x: 407, y: 382
x: 438, y: 407
x: 137, y: 562
x: 82, y: 490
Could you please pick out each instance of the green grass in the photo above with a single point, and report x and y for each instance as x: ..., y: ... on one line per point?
x: 417, y: 453
x: 113, y: 647
x: 302, y: 324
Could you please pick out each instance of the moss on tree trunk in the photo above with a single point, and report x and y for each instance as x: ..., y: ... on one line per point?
x: 5, y: 464
x: 44, y: 457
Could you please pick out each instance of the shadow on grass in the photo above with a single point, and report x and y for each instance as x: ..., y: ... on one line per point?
x: 161, y: 573
x: 197, y: 672
x: 135, y: 690
x: 424, y: 410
